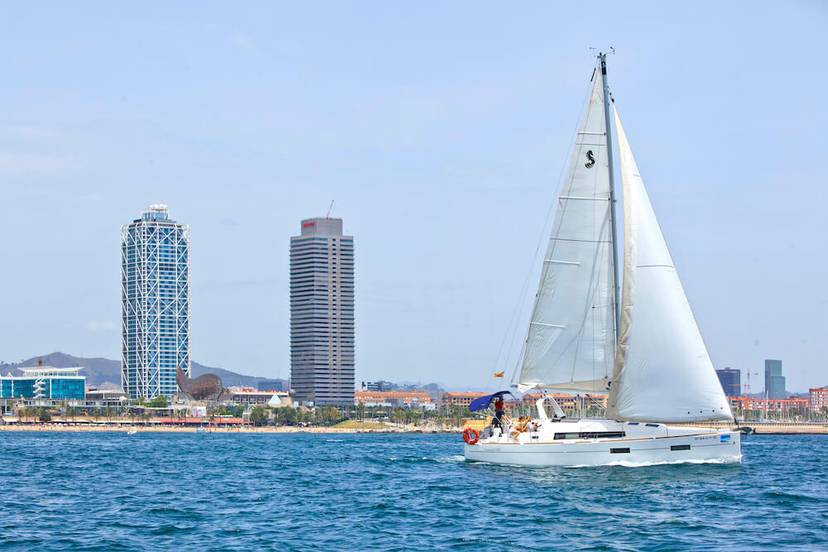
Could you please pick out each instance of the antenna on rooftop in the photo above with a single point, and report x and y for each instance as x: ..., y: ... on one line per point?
x: 330, y: 209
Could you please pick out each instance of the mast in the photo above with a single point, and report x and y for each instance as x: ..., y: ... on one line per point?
x: 616, y: 295
x: 571, y: 341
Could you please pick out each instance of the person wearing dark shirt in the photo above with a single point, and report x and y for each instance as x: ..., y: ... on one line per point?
x: 499, y: 411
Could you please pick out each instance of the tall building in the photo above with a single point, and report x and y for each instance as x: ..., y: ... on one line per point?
x: 155, y: 303
x: 774, y: 380
x: 322, y: 313
x: 731, y: 380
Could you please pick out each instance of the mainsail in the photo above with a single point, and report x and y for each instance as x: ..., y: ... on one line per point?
x: 662, y: 370
x: 571, y: 340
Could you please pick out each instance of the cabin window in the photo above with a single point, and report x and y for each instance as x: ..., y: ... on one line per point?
x: 619, y: 451
x: 591, y: 435
x: 680, y: 447
x: 653, y: 425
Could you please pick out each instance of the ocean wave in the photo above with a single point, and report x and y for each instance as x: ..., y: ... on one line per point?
x: 372, y: 492
x: 627, y: 464
x: 454, y: 459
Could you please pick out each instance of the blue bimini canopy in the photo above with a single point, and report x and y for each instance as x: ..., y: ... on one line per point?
x: 482, y: 403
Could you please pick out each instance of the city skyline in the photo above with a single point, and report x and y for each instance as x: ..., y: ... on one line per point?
x: 443, y: 158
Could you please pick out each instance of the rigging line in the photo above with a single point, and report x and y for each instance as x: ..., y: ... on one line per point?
x: 590, y: 305
x: 517, y: 362
x: 512, y: 327
x: 579, y: 241
x: 565, y: 168
x: 571, y: 168
x: 578, y: 337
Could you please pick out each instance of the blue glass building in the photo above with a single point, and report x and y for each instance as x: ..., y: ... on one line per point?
x: 44, y: 383
x: 731, y: 380
x: 774, y: 380
x: 155, y: 301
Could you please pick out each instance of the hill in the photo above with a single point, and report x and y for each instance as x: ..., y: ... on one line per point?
x: 105, y: 372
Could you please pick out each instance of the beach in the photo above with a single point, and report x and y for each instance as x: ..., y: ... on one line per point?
x: 126, y: 428
x: 759, y: 428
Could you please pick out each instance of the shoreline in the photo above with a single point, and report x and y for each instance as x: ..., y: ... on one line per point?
x: 113, y: 428
x: 783, y: 428
x: 758, y: 428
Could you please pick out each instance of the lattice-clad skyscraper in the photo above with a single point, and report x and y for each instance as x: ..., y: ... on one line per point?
x: 322, y: 313
x: 155, y: 274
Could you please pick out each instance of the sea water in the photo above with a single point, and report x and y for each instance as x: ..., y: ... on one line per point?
x: 217, y: 491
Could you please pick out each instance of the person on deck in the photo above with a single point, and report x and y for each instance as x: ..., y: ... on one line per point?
x: 499, y: 411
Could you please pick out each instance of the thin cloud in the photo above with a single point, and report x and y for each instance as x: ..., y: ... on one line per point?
x: 101, y: 325
x: 243, y: 41
x: 18, y: 163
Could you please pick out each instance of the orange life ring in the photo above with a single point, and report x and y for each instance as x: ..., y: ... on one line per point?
x: 470, y: 436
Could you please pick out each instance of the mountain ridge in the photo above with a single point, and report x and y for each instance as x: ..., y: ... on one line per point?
x: 100, y: 371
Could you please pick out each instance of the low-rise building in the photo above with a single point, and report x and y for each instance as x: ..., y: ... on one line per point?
x: 461, y: 398
x: 215, y: 421
x: 818, y: 398
x: 569, y: 402
x: 249, y: 395
x: 380, y: 385
x: 44, y: 383
x: 777, y: 406
x: 400, y: 399
x: 106, y: 397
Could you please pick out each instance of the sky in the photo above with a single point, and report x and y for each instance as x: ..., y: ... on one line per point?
x: 440, y: 130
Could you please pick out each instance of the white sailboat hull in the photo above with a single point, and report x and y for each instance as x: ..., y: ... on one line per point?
x: 642, y: 445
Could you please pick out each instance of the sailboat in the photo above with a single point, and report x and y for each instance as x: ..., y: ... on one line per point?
x: 640, y: 346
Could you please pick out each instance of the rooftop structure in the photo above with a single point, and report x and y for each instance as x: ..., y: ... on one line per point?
x: 272, y: 385
x: 109, y: 393
x: 322, y: 313
x: 407, y: 399
x: 50, y: 372
x: 380, y: 385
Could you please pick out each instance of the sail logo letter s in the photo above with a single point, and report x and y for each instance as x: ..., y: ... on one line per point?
x: 590, y: 159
